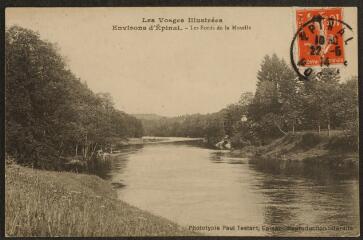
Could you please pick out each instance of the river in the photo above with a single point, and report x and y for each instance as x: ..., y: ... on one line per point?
x: 227, y: 195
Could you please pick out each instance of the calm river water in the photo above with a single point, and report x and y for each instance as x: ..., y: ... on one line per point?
x: 195, y: 186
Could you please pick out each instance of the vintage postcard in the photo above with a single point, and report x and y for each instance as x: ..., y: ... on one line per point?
x: 181, y: 121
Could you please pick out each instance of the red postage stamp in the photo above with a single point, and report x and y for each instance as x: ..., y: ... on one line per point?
x: 320, y: 42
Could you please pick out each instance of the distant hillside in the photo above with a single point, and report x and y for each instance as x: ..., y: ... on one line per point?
x: 150, y: 116
x: 191, y: 125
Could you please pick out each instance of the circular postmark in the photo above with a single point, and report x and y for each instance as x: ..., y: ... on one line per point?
x: 321, y: 38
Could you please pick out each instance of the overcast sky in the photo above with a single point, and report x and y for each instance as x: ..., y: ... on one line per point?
x: 168, y: 73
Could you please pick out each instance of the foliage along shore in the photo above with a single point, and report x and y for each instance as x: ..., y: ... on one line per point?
x: 281, y: 106
x: 305, y: 149
x: 49, y: 203
x: 52, y: 116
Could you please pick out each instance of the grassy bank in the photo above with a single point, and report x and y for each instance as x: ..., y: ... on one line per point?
x: 45, y: 203
x: 336, y: 151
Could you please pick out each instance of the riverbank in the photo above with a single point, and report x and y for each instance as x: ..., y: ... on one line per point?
x: 337, y: 151
x: 46, y: 203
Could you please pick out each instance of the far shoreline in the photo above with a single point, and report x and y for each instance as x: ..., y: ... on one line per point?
x: 153, y: 140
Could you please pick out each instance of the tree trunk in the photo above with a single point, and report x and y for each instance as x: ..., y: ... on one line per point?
x: 60, y: 151
x: 293, y: 127
x: 85, y: 152
x: 328, y: 128
x: 328, y: 116
x: 319, y: 128
x: 93, y: 150
x: 85, y: 148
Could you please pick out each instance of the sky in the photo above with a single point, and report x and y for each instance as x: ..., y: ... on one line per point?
x: 169, y: 73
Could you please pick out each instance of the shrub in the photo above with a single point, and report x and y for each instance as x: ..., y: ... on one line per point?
x: 238, y: 141
x: 309, y: 140
x: 344, y: 143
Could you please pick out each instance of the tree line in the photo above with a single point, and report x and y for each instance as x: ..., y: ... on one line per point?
x: 281, y: 105
x: 51, y: 114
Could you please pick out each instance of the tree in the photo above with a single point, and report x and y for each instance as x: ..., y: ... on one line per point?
x: 276, y: 98
x: 347, y: 106
x: 321, y: 95
x: 50, y: 114
x: 245, y: 99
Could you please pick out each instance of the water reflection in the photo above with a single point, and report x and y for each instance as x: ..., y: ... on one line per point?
x: 119, y: 163
x: 309, y: 197
x: 192, y: 185
x: 223, y: 157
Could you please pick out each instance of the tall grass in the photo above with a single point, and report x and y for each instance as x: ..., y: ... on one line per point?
x: 43, y: 203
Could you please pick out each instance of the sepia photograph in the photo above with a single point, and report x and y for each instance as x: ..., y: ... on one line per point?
x: 181, y: 121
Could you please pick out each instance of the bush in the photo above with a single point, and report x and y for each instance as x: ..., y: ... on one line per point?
x: 309, y: 140
x: 238, y: 141
x: 344, y: 143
